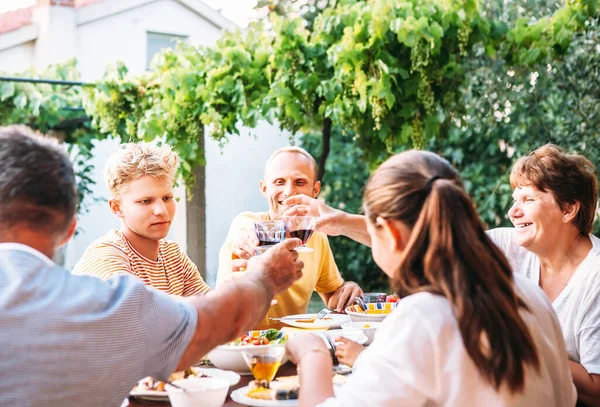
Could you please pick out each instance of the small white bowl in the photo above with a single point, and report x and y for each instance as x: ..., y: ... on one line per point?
x: 203, y: 391
x: 369, y: 330
x: 229, y: 357
x: 366, y: 318
x: 354, y: 335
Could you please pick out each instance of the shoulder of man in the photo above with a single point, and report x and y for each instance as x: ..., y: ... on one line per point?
x: 321, y: 241
x: 246, y: 219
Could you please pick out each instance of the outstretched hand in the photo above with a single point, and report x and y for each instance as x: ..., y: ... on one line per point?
x: 329, y: 220
x: 244, y: 243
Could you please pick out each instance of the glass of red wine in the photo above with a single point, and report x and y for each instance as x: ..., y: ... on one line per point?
x: 301, y: 227
x: 269, y: 233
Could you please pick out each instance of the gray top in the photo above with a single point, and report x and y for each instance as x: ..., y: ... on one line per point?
x: 577, y: 306
x: 77, y: 340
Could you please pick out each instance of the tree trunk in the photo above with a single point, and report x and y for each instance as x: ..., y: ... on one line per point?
x: 196, y: 217
x: 325, y: 150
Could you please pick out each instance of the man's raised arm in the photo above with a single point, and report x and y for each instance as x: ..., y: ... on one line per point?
x: 230, y: 310
x: 332, y: 222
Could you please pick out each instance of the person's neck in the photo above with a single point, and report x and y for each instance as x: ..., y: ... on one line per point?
x: 37, y: 240
x: 146, y: 247
x: 565, y: 254
x: 273, y: 216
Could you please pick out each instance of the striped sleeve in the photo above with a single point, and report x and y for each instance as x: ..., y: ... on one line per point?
x: 193, y: 282
x: 103, y: 261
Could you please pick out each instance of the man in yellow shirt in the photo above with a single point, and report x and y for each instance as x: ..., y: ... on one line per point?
x: 289, y: 171
x: 140, y: 180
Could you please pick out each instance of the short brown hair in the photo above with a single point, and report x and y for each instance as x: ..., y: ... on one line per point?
x: 37, y: 182
x: 135, y: 160
x: 568, y: 177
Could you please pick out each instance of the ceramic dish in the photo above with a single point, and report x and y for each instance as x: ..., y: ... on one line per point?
x: 330, y: 321
x: 239, y: 396
x: 375, y: 312
x: 150, y: 395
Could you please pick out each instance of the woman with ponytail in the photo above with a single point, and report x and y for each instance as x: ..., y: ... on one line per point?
x: 466, y: 331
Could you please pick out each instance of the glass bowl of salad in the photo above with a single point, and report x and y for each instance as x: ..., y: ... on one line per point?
x: 229, y: 356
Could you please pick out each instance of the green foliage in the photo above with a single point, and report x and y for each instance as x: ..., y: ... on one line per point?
x: 511, y: 111
x: 57, y: 111
x: 387, y: 71
x: 190, y: 87
x: 506, y: 112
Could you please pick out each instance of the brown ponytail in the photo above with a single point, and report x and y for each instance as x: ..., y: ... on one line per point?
x: 449, y: 254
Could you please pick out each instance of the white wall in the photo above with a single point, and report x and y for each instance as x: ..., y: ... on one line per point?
x: 123, y: 36
x: 17, y: 59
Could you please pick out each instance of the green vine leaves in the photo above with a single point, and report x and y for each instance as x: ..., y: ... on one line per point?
x: 386, y: 71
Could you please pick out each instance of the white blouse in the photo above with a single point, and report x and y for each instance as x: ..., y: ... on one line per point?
x: 418, y: 359
x: 577, y: 306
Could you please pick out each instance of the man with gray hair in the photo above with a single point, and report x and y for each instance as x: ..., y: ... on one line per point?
x: 66, y: 339
x: 290, y: 171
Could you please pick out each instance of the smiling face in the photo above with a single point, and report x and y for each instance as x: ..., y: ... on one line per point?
x: 537, y: 218
x: 288, y: 174
x: 146, y: 206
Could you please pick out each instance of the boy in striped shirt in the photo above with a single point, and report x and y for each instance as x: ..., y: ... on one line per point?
x: 140, y: 180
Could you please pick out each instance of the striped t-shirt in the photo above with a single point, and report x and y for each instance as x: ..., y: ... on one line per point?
x: 173, y: 272
x: 79, y: 341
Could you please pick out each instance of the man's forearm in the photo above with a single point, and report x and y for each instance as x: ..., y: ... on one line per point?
x: 355, y: 227
x: 225, y: 313
x: 587, y: 385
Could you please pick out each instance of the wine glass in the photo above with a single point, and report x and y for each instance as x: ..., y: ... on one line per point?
x: 301, y: 227
x: 269, y: 232
x: 264, y: 361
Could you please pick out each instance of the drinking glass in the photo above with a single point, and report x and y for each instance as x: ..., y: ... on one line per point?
x: 301, y: 227
x: 264, y: 362
x: 269, y: 232
x: 258, y: 250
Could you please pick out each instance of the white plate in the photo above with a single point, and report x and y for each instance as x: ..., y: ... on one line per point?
x: 232, y: 377
x: 150, y: 395
x: 336, y: 321
x: 239, y: 396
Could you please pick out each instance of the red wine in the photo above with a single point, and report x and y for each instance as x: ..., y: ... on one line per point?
x: 302, y: 234
x: 268, y: 242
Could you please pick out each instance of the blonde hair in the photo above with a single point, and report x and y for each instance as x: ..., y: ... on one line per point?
x: 135, y: 160
x: 296, y: 150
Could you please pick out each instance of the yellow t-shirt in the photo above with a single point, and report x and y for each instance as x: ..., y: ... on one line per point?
x: 320, y: 272
x: 173, y: 272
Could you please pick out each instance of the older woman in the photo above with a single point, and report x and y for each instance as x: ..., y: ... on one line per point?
x: 555, y: 197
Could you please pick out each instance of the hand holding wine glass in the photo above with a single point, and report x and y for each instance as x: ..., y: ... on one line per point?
x: 328, y: 220
x: 301, y: 227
